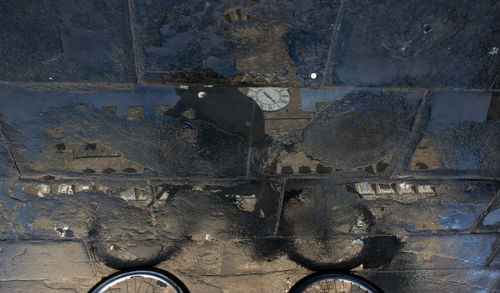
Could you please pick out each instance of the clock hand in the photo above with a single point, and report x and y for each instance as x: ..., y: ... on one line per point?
x: 269, y: 97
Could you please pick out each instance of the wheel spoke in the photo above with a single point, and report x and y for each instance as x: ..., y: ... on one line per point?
x: 140, y: 284
x: 338, y: 284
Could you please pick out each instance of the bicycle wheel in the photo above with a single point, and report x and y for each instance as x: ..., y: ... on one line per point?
x: 333, y: 283
x: 140, y: 281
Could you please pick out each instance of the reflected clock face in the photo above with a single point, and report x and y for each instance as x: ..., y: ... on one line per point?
x: 270, y: 98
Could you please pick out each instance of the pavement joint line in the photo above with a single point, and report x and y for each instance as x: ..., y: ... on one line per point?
x: 52, y: 86
x: 9, y: 150
x: 412, y: 235
x: 494, y: 80
x: 496, y: 286
x: 473, y: 227
x: 131, y: 86
x: 364, y: 270
x: 131, y: 12
x: 417, y: 175
x: 91, y: 258
x: 494, y: 253
x: 333, y: 39
x: 280, y: 207
x: 421, y: 119
x: 250, y: 274
x: 426, y: 269
x: 367, y: 270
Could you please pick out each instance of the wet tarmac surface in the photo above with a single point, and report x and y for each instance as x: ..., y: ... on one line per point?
x: 181, y: 182
x: 242, y: 145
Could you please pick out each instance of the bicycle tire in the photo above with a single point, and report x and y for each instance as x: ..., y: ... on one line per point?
x: 308, y: 282
x: 165, y: 278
